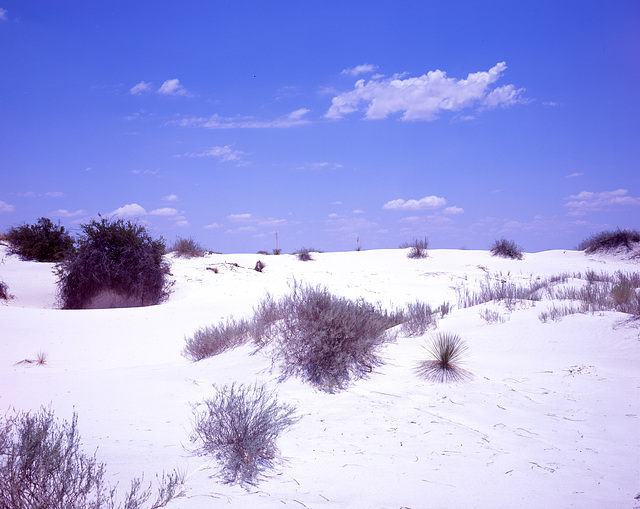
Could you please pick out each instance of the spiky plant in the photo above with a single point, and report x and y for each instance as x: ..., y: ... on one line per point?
x: 446, y: 351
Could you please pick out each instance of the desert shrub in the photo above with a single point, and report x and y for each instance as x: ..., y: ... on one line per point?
x: 418, y: 317
x: 240, y: 425
x: 506, y: 249
x: 259, y: 266
x: 501, y: 290
x: 42, y: 466
x: 213, y: 340
x: 329, y: 340
x: 608, y: 240
x: 445, y: 308
x: 187, y: 248
x: 491, y: 316
x: 263, y: 252
x: 446, y: 351
x: 417, y: 247
x: 4, y: 291
x: 42, y: 241
x: 304, y: 254
x: 116, y: 264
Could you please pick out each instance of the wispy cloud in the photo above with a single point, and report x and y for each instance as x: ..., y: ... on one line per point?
x: 164, y: 211
x: 450, y: 211
x: 225, y: 154
x: 256, y: 220
x: 129, y: 210
x: 173, y: 87
x: 319, y: 166
x: 428, y: 202
x: 66, y: 213
x: 140, y: 88
x: 293, y: 119
x: 211, y: 226
x: 424, y: 97
x: 3, y: 14
x: 574, y: 175
x: 170, y: 197
x: 359, y: 69
x: 50, y: 194
x: 6, y: 207
x: 587, y: 201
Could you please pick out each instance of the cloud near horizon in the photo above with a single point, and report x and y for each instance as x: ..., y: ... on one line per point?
x: 424, y: 97
x: 129, y: 210
x: 428, y: 202
x: 293, y: 119
x: 587, y: 201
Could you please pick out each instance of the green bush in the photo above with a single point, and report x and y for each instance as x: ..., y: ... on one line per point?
x: 42, y: 241
x: 42, y: 466
x: 240, y: 425
x: 608, y: 240
x: 116, y: 264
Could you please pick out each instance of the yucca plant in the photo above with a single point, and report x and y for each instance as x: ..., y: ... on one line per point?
x: 446, y: 351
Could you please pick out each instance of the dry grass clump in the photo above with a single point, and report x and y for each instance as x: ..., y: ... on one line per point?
x: 187, y: 248
x: 418, y: 317
x: 500, y: 289
x: 446, y: 351
x: 117, y: 262
x: 42, y: 466
x: 417, y: 248
x: 213, y: 340
x: 506, y: 249
x: 240, y: 425
x: 609, y: 240
x: 304, y: 254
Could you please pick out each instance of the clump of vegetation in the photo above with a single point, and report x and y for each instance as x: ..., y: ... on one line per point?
x: 41, y: 465
x: 446, y: 351
x: 417, y: 247
x: 4, y: 291
x: 304, y: 254
x: 501, y: 290
x: 418, y: 317
x: 116, y: 264
x: 213, y: 340
x: 506, y: 249
x: 187, y: 248
x: 610, y: 240
x: 240, y: 425
x: 259, y: 266
x: 41, y: 242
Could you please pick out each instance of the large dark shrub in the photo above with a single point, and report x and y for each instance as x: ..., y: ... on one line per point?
x: 42, y: 241
x: 609, y: 240
x: 42, y: 466
x: 240, y: 425
x: 506, y: 249
x: 116, y: 264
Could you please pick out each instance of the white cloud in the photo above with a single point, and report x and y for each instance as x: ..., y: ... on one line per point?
x: 3, y: 14
x: 170, y: 197
x: 424, y: 97
x: 50, y: 194
x: 140, y: 88
x: 587, y: 201
x: 6, y: 207
x: 453, y: 211
x: 212, y: 225
x: 257, y: 220
x: 224, y: 153
x: 164, y: 211
x: 323, y: 165
x: 360, y: 69
x: 173, y: 87
x: 239, y: 217
x: 428, y: 202
x: 66, y: 213
x: 295, y: 118
x: 573, y: 175
x: 358, y: 211
x: 129, y: 210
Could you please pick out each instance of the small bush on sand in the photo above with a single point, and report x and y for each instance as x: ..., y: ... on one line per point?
x: 446, y: 350
x: 418, y: 317
x: 417, y: 247
x: 304, y: 254
x: 240, y: 425
x: 42, y: 466
x: 506, y: 249
x: 210, y: 341
x: 609, y: 240
x: 4, y: 291
x: 116, y: 264
x: 329, y: 340
x: 187, y: 248
x: 42, y: 241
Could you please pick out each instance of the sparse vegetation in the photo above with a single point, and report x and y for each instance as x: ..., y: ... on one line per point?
x: 210, y: 341
x: 506, y: 249
x: 4, y: 291
x: 446, y: 351
x: 499, y: 289
x: 259, y: 266
x: 42, y: 466
x: 417, y: 247
x: 609, y: 240
x: 240, y: 425
x: 41, y: 242
x: 418, y: 317
x: 188, y: 248
x: 304, y: 254
x: 116, y: 264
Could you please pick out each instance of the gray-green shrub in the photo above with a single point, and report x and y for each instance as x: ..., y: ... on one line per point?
x: 506, y: 249
x: 187, y: 248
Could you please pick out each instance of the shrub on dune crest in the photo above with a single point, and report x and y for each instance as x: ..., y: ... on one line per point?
x: 187, y: 248
x: 609, y: 240
x: 116, y: 264
x: 42, y: 241
x: 506, y: 249
x: 417, y: 248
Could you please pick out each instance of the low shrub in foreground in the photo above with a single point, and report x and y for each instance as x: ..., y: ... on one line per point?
x: 506, y: 249
x: 446, y: 350
x: 4, y: 291
x: 116, y: 264
x: 42, y: 466
x: 41, y: 242
x: 609, y: 240
x: 417, y: 247
x: 240, y: 425
x: 187, y: 248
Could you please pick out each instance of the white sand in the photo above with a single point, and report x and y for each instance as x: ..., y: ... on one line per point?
x: 550, y: 419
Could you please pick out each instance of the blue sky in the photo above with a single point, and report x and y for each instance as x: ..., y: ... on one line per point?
x: 326, y: 121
